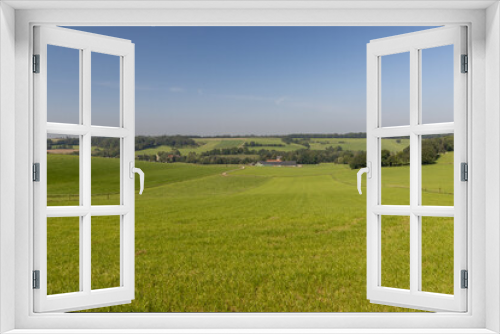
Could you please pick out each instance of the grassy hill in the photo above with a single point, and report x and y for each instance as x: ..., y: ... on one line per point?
x: 357, y: 144
x: 259, y: 239
x: 63, y: 176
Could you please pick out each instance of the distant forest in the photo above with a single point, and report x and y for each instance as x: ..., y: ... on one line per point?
x: 251, y: 151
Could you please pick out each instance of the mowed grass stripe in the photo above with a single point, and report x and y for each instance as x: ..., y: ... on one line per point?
x: 240, y: 249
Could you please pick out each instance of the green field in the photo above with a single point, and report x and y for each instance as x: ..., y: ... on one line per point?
x: 208, y: 144
x: 357, y: 144
x: 217, y: 238
x: 151, y: 151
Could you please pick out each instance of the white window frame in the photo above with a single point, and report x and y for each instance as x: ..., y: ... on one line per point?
x: 414, y: 43
x: 483, y: 314
x: 86, y: 44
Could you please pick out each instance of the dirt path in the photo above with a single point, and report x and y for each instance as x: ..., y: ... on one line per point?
x: 225, y: 173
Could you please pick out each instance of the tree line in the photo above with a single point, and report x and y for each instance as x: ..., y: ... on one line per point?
x: 62, y: 143
x: 327, y: 135
x: 300, y: 141
x: 245, y: 156
x: 255, y: 144
x: 432, y: 148
x: 145, y: 142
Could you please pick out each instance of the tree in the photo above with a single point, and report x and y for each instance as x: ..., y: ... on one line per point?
x: 385, y: 155
x: 358, y: 161
x: 429, y: 153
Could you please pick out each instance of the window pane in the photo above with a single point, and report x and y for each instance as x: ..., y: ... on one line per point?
x: 63, y: 85
x: 437, y: 170
x: 395, y: 251
x: 395, y: 161
x: 63, y: 255
x: 395, y: 89
x: 105, y: 252
x: 63, y: 170
x: 437, y: 84
x: 105, y: 89
x: 105, y: 171
x: 437, y: 254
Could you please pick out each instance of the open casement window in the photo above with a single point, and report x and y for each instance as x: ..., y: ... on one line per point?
x: 68, y: 273
x: 398, y: 271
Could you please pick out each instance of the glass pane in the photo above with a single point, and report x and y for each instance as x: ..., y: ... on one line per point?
x: 395, y: 251
x: 395, y: 161
x: 63, y: 255
x: 437, y: 170
x: 105, y: 252
x: 437, y: 84
x: 63, y: 170
x: 105, y: 89
x: 437, y: 254
x: 63, y: 85
x: 105, y: 171
x: 395, y: 89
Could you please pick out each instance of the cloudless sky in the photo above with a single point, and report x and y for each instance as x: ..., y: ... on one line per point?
x: 250, y: 80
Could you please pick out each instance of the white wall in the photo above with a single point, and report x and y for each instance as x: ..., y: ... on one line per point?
x: 492, y: 165
x: 7, y: 162
x: 478, y: 123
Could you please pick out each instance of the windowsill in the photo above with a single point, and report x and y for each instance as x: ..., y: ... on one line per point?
x: 253, y: 331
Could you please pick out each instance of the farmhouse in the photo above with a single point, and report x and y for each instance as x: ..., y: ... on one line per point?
x: 277, y: 163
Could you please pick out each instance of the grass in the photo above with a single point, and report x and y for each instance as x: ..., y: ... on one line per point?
x: 154, y: 151
x: 228, y: 143
x: 258, y: 239
x: 63, y: 177
x: 357, y: 144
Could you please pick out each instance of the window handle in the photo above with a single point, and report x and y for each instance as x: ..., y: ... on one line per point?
x: 368, y: 171
x: 141, y: 175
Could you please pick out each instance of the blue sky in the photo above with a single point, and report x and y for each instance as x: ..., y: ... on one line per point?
x: 250, y: 80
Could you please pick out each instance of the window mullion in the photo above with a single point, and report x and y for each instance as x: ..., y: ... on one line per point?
x: 85, y: 160
x: 414, y: 172
x: 418, y: 163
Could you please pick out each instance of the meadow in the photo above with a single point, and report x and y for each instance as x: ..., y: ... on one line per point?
x: 231, y: 238
x: 357, y: 144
